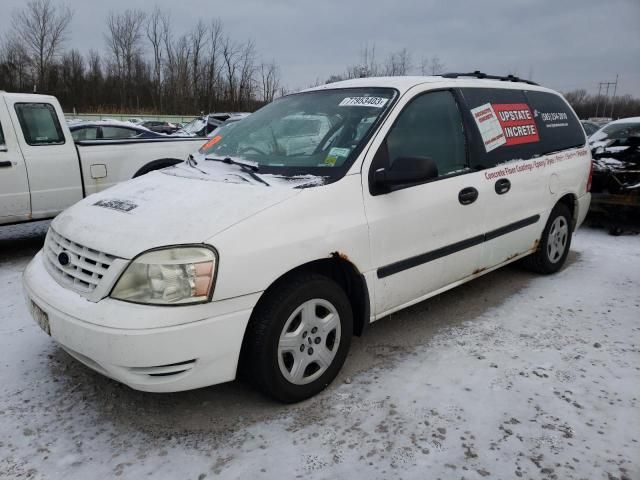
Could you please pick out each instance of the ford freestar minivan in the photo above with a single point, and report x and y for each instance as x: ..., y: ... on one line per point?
x: 291, y: 231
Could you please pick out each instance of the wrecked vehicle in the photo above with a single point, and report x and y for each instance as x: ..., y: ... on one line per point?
x: 294, y: 229
x: 616, y: 173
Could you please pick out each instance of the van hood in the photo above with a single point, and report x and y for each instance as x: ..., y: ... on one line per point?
x: 162, y: 208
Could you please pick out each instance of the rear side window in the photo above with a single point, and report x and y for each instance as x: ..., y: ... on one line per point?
x: 518, y: 125
x: 503, y: 126
x: 558, y: 126
x: 1, y: 136
x: 39, y: 123
x: 88, y: 133
x: 118, y: 132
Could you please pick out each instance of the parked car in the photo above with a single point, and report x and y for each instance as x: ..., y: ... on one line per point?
x: 160, y: 127
x: 589, y: 127
x: 43, y: 170
x: 265, y: 260
x: 616, y: 172
x: 104, y: 130
x: 618, y: 130
x: 204, y: 126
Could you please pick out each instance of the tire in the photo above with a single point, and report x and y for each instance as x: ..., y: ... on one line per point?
x: 554, y: 243
x: 289, y: 357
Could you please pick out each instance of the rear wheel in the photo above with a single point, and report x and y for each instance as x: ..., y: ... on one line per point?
x: 554, y: 244
x: 298, y: 338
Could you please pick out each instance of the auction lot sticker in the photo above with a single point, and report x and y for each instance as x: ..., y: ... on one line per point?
x: 377, y: 102
x: 489, y: 126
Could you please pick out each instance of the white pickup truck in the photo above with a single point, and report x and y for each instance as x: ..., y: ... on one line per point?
x: 43, y: 171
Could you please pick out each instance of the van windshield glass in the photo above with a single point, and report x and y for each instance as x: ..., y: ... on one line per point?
x: 306, y: 133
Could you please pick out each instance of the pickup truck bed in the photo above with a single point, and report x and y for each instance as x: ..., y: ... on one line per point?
x: 43, y: 171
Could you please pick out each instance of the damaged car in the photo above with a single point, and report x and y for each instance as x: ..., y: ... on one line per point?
x: 616, y: 173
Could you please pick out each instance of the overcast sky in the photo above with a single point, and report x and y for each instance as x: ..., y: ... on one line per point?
x: 564, y: 44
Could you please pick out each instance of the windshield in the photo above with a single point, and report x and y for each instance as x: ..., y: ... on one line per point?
x: 313, y: 132
x: 195, y: 125
x: 616, y: 131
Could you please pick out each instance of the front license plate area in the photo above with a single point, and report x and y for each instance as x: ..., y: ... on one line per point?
x: 40, y: 316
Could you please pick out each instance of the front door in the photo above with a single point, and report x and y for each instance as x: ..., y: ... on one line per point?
x: 15, y: 204
x: 49, y: 154
x: 426, y: 236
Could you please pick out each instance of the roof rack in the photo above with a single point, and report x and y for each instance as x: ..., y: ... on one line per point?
x: 479, y: 74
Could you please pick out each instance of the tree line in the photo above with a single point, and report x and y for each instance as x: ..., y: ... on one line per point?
x: 146, y: 66
x: 587, y: 105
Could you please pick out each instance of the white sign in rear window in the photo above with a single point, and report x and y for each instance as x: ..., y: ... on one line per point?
x: 489, y: 126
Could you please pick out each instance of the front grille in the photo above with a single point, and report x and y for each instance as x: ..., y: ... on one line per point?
x: 86, y: 266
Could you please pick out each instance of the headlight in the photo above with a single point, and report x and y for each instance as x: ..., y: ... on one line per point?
x: 171, y: 276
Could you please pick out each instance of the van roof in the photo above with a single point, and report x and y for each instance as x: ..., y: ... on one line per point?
x: 404, y: 83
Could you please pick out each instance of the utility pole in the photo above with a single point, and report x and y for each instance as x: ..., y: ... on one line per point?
x: 606, y: 85
x: 613, y: 101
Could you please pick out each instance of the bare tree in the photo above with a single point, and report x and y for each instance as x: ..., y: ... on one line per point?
x: 145, y: 64
x: 246, y: 81
x: 199, y: 38
x: 230, y: 54
x: 124, y: 42
x: 367, y: 65
x: 213, y: 64
x: 432, y: 66
x: 154, y: 35
x: 270, y: 81
x: 42, y: 28
x: 398, y: 63
x: 15, y: 65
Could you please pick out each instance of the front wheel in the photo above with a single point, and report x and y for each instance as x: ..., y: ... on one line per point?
x: 298, y: 338
x: 554, y: 244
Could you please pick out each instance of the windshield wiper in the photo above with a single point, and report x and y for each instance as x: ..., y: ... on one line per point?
x: 249, y: 168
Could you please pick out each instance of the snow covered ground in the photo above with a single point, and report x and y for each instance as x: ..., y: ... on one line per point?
x: 512, y: 375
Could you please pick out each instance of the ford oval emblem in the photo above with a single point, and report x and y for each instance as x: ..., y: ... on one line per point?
x: 63, y: 259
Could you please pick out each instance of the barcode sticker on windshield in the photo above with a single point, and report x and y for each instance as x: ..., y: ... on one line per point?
x: 377, y: 102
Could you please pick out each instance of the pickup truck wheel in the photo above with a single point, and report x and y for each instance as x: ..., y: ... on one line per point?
x: 156, y: 165
x: 299, y: 338
x: 554, y: 244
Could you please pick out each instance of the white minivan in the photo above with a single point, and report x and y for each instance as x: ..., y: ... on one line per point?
x: 259, y: 258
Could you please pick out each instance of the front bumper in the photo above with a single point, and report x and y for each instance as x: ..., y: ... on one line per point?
x: 149, y: 348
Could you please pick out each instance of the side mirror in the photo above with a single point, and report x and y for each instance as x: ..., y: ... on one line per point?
x: 407, y: 170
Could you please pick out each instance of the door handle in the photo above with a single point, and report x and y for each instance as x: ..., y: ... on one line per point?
x: 5, y: 164
x: 503, y: 186
x: 467, y: 195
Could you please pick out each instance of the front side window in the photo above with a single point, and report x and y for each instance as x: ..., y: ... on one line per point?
x: 110, y: 133
x: 39, y: 123
x: 2, y: 142
x: 429, y: 126
x: 317, y: 132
